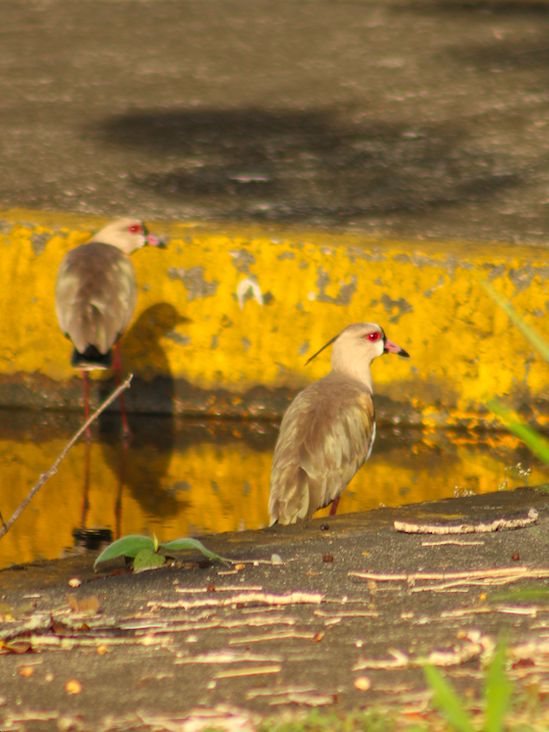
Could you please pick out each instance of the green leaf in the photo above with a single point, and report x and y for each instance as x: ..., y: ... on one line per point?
x: 447, y: 701
x: 497, y: 692
x: 188, y: 543
x: 155, y: 539
x: 537, y: 444
x: 535, y: 338
x: 127, y: 546
x: 147, y: 559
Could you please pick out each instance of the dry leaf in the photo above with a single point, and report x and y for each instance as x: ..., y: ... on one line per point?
x: 26, y: 671
x: 87, y: 606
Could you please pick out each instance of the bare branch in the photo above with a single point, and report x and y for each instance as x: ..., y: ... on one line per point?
x: 54, y: 468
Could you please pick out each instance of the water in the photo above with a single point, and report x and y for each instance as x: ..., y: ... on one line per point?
x: 181, y: 477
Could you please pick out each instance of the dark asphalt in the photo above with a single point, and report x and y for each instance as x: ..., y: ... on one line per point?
x: 141, y: 657
x: 397, y: 119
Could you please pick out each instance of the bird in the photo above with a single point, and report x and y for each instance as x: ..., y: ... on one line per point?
x: 96, y: 296
x: 328, y: 431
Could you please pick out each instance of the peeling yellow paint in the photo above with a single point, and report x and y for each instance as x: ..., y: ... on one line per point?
x: 424, y: 295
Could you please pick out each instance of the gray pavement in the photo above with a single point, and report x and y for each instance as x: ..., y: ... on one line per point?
x: 173, y: 643
x: 395, y: 119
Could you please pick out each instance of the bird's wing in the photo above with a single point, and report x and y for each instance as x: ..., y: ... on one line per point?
x: 325, y: 437
x: 96, y: 295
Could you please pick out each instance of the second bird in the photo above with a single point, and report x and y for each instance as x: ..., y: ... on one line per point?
x: 96, y: 295
x: 329, y: 429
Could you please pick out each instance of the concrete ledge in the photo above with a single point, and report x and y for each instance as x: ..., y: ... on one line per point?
x: 227, y: 317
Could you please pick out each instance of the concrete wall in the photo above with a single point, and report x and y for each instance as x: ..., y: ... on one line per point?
x: 228, y: 316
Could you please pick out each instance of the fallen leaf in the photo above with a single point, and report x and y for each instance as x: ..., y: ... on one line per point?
x: 101, y: 650
x: 328, y: 558
x: 87, y: 605
x: 15, y: 646
x: 26, y: 671
x: 75, y: 582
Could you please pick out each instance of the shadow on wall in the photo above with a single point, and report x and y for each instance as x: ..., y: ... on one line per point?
x: 142, y: 467
x: 322, y: 166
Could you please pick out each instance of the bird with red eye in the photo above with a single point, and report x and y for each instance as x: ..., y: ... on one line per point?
x: 328, y: 431
x: 96, y: 296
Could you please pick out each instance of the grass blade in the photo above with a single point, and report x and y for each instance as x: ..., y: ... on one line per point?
x: 537, y: 444
x: 447, y: 701
x: 497, y: 692
x: 528, y: 331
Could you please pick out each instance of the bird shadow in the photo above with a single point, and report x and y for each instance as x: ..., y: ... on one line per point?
x: 141, y: 463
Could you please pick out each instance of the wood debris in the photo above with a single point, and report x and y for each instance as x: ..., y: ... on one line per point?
x: 349, y: 614
x: 474, y: 644
x: 281, y: 635
x: 254, y: 671
x: 222, y: 588
x: 499, y: 524
x: 223, y: 657
x: 292, y: 598
x: 310, y: 700
x: 456, y: 542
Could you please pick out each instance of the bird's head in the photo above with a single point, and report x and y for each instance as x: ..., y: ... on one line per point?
x: 357, y: 345
x: 127, y: 234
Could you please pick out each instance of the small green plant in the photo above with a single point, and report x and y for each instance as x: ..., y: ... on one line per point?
x: 497, y: 696
x: 145, y: 551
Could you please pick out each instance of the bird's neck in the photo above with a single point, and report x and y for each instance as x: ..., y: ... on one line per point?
x: 359, y: 371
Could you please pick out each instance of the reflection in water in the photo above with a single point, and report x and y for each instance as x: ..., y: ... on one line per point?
x: 214, y: 476
x: 142, y: 464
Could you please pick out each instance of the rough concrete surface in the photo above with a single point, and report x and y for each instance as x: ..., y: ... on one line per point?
x: 421, y: 120
x: 164, y: 647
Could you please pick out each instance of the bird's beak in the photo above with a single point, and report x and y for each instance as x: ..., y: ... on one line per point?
x: 391, y: 347
x: 155, y: 241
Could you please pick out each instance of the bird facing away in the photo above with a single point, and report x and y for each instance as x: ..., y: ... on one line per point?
x: 329, y: 429
x: 96, y: 295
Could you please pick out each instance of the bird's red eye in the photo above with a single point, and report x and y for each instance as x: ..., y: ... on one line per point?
x: 135, y: 229
x: 373, y: 337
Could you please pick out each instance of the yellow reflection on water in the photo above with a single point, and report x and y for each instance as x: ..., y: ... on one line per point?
x: 176, y: 484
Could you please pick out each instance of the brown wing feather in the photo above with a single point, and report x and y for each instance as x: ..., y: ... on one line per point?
x: 95, y: 295
x: 324, y: 439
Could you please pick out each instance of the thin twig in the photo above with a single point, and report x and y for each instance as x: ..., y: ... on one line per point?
x: 54, y: 468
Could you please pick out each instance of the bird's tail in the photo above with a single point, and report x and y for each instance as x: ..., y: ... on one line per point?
x: 91, y: 359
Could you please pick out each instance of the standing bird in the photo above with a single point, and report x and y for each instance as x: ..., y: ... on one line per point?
x: 96, y: 295
x: 328, y: 431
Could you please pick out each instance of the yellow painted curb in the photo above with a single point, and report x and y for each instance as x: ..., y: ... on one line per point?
x: 231, y: 314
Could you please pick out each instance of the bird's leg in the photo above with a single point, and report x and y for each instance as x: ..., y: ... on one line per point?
x: 333, y: 507
x: 122, y: 479
x: 86, y: 402
x: 86, y: 500
x: 117, y: 367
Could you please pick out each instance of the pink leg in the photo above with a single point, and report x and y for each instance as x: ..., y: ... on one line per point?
x: 86, y: 402
x: 86, y: 500
x: 118, y: 506
x: 117, y: 367
x: 333, y: 507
